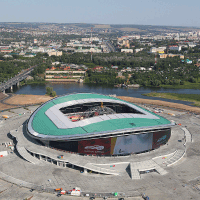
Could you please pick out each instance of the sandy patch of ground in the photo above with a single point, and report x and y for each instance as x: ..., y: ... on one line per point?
x: 2, y: 96
x: 161, y: 103
x: 5, y: 107
x: 27, y: 99
x: 37, y: 99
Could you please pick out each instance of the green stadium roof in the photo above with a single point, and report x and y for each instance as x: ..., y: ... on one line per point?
x: 49, y: 122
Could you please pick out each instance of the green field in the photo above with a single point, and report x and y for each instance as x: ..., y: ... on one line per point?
x: 187, y: 85
x: 195, y: 98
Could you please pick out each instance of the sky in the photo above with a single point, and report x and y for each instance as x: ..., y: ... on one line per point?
x: 142, y: 12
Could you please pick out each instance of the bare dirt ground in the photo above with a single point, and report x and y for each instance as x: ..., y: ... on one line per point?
x: 161, y: 103
x: 27, y: 99
x: 23, y: 100
x: 102, y: 26
x: 5, y: 107
x: 2, y: 96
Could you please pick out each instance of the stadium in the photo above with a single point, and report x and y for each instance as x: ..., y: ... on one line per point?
x: 96, y: 124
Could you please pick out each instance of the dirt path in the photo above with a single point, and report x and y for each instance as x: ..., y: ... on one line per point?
x: 25, y: 100
x: 161, y: 103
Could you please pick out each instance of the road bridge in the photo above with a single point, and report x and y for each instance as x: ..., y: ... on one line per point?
x: 15, y: 80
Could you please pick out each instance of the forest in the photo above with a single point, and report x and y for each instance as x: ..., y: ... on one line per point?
x: 169, y: 71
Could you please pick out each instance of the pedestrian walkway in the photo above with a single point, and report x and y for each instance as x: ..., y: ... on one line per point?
x: 175, y: 158
x: 35, y: 153
x: 20, y: 146
x: 188, y: 135
x: 23, y: 152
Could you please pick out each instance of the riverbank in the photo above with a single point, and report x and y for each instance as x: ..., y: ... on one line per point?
x: 187, y: 85
x: 61, y: 80
x: 32, y: 82
x: 195, y: 98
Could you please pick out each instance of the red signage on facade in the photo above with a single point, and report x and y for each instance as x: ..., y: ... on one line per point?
x: 160, y: 138
x: 97, y: 146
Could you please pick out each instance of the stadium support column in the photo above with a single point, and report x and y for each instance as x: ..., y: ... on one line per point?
x: 46, y: 143
x: 85, y: 171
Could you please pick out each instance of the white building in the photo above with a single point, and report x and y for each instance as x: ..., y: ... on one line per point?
x: 90, y: 39
x: 127, y: 50
x: 55, y: 53
x: 159, y: 49
x: 175, y: 48
x: 138, y: 50
x: 35, y: 41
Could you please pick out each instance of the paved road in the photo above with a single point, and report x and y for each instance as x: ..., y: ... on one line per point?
x: 110, y: 46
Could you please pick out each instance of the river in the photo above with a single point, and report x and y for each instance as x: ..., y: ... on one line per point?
x: 65, y: 88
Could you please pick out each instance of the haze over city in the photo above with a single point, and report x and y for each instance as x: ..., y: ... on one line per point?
x: 143, y: 12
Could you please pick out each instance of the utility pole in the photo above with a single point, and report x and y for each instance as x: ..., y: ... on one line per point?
x: 91, y: 43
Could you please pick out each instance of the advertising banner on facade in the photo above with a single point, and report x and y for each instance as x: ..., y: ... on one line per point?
x: 125, y: 144
x: 97, y: 146
x: 160, y: 138
x: 131, y: 144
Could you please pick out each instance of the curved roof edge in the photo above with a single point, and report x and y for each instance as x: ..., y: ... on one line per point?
x: 46, y: 128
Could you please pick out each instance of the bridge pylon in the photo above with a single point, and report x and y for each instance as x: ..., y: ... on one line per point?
x: 11, y: 88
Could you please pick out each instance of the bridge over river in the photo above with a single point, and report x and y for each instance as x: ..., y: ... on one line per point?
x: 15, y: 80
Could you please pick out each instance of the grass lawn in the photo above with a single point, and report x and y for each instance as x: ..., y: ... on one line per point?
x: 187, y: 85
x: 195, y: 98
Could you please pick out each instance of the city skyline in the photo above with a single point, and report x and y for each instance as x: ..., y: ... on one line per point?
x: 144, y: 12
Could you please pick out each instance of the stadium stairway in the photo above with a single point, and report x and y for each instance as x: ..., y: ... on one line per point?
x: 137, y: 167
x: 176, y: 157
x: 188, y: 135
x: 18, y: 134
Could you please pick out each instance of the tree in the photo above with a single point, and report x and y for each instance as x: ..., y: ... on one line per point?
x: 49, y: 90
x: 53, y: 94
